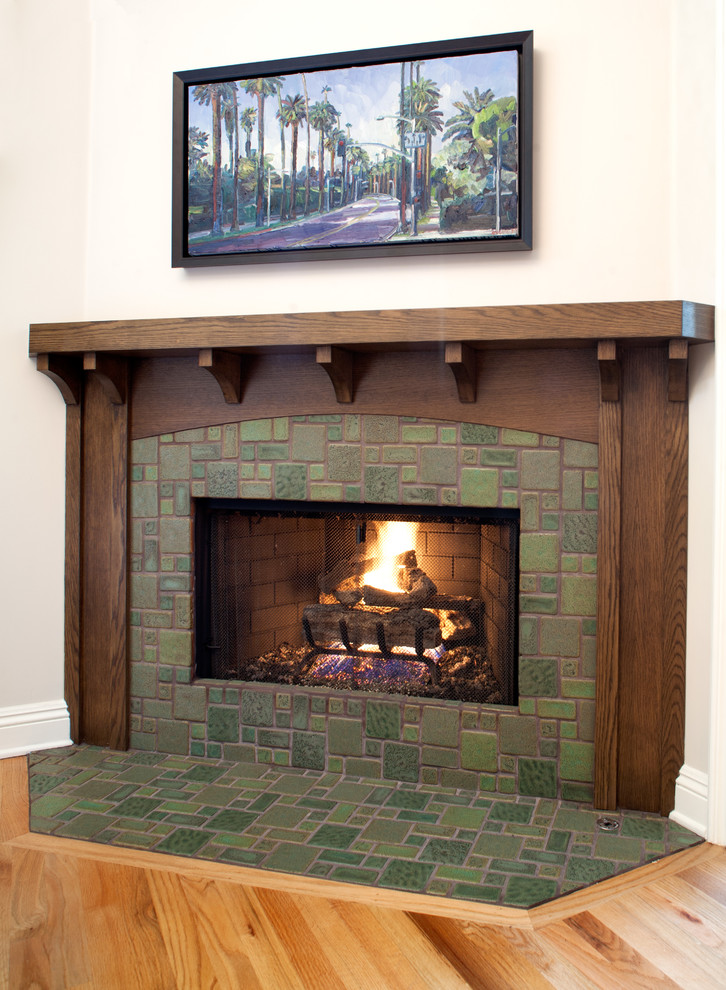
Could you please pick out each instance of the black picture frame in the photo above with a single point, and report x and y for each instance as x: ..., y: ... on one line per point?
x: 474, y: 194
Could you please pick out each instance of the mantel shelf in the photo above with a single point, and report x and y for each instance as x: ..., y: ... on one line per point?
x: 570, y: 324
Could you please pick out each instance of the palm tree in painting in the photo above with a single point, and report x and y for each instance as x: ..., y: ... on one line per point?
x: 261, y: 88
x: 247, y: 119
x: 465, y: 126
x: 206, y: 95
x: 231, y: 122
x: 278, y: 115
x: 197, y: 141
x: 293, y: 113
x: 424, y: 103
x: 320, y: 119
x: 307, y: 166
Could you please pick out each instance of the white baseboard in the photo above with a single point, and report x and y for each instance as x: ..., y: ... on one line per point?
x: 24, y: 728
x: 691, y: 810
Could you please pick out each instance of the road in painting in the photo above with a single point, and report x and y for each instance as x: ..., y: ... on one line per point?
x: 406, y: 151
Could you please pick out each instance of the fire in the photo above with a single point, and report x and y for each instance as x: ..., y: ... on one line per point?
x: 394, y: 539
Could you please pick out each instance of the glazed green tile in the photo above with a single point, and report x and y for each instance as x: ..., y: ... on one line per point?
x: 579, y: 532
x: 527, y: 891
x: 380, y: 429
x: 419, y: 434
x: 559, y: 637
x: 539, y: 552
x: 579, y: 595
x: 404, y: 875
x: 438, y: 465
x: 308, y: 750
x: 448, y: 851
x: 383, y: 720
x: 349, y: 791
x: 540, y: 469
x: 588, y: 870
x: 578, y: 688
x: 381, y: 484
x: 479, y: 486
x: 223, y: 724
x: 183, y: 842
x: 400, y: 761
x: 175, y: 646
x: 334, y: 836
x: 345, y: 736
x: 333, y: 855
x: 537, y: 778
x: 464, y: 817
x: 618, y: 847
x: 172, y: 736
x: 291, y: 858
x: 510, y: 811
x: 440, y: 726
x: 290, y: 481
x: 308, y: 443
x: 576, y: 760
x: 363, y: 768
x: 578, y: 453
x: 257, y: 708
x: 518, y: 735
x: 385, y: 830
x: 475, y: 433
x: 399, y: 455
x: 643, y: 828
x: 348, y: 874
x: 475, y: 892
x: 409, y: 800
x: 538, y: 603
x: 538, y: 677
x: 136, y: 807
x: 464, y: 779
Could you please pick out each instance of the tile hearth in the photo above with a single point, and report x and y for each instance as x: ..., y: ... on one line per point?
x: 499, y: 849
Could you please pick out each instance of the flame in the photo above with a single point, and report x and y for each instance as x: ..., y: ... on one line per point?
x: 394, y: 538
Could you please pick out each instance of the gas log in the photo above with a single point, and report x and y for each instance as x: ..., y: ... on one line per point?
x: 400, y: 625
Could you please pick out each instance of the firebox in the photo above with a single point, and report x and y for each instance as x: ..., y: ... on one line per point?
x: 374, y: 598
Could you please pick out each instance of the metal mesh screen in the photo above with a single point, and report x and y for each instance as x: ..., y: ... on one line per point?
x: 407, y: 602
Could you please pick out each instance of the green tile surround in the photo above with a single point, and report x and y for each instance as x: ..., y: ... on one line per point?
x: 543, y: 747
x: 447, y: 842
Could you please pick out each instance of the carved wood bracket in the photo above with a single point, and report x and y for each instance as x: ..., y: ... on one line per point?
x: 226, y: 367
x: 112, y: 375
x: 66, y: 372
x: 339, y: 365
x: 607, y: 357
x: 678, y: 370
x: 461, y: 358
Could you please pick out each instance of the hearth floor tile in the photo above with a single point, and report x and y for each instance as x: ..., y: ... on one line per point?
x: 507, y: 850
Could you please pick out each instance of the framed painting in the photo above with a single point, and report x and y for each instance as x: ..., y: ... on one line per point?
x: 416, y: 149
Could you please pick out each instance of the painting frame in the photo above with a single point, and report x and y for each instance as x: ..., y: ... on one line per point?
x: 405, y: 214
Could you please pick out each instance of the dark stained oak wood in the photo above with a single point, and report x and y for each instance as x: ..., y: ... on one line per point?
x: 103, y: 673
x: 675, y: 561
x: 66, y: 372
x: 607, y: 358
x: 678, y: 370
x: 226, y: 368
x: 607, y: 684
x: 73, y: 568
x: 461, y: 358
x: 551, y: 391
x: 338, y: 364
x: 497, y: 324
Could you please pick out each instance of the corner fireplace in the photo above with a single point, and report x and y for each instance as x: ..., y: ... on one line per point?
x: 611, y: 374
x: 378, y: 599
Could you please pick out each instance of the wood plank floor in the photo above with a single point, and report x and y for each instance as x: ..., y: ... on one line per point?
x: 79, y: 915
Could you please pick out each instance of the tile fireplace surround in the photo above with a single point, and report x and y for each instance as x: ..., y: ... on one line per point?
x: 576, y: 415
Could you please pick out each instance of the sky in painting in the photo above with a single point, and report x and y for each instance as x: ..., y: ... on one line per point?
x: 361, y: 94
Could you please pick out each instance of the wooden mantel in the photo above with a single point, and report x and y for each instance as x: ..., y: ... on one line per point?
x: 615, y: 373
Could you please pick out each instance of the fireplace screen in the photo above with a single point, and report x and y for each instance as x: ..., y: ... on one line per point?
x: 379, y: 599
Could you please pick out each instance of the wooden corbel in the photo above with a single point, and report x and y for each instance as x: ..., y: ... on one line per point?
x: 461, y: 358
x: 678, y: 370
x: 112, y: 375
x: 607, y: 357
x: 65, y: 372
x: 226, y: 366
x: 339, y: 365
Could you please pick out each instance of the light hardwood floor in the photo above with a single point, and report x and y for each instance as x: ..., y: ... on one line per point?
x: 78, y: 915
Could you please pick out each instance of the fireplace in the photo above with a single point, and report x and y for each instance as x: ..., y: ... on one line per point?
x: 378, y: 599
x: 609, y: 378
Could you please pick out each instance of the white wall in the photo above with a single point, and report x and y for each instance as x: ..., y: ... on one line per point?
x: 625, y: 166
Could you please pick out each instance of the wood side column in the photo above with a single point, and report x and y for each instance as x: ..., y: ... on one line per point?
x: 651, y: 669
x: 103, y: 681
